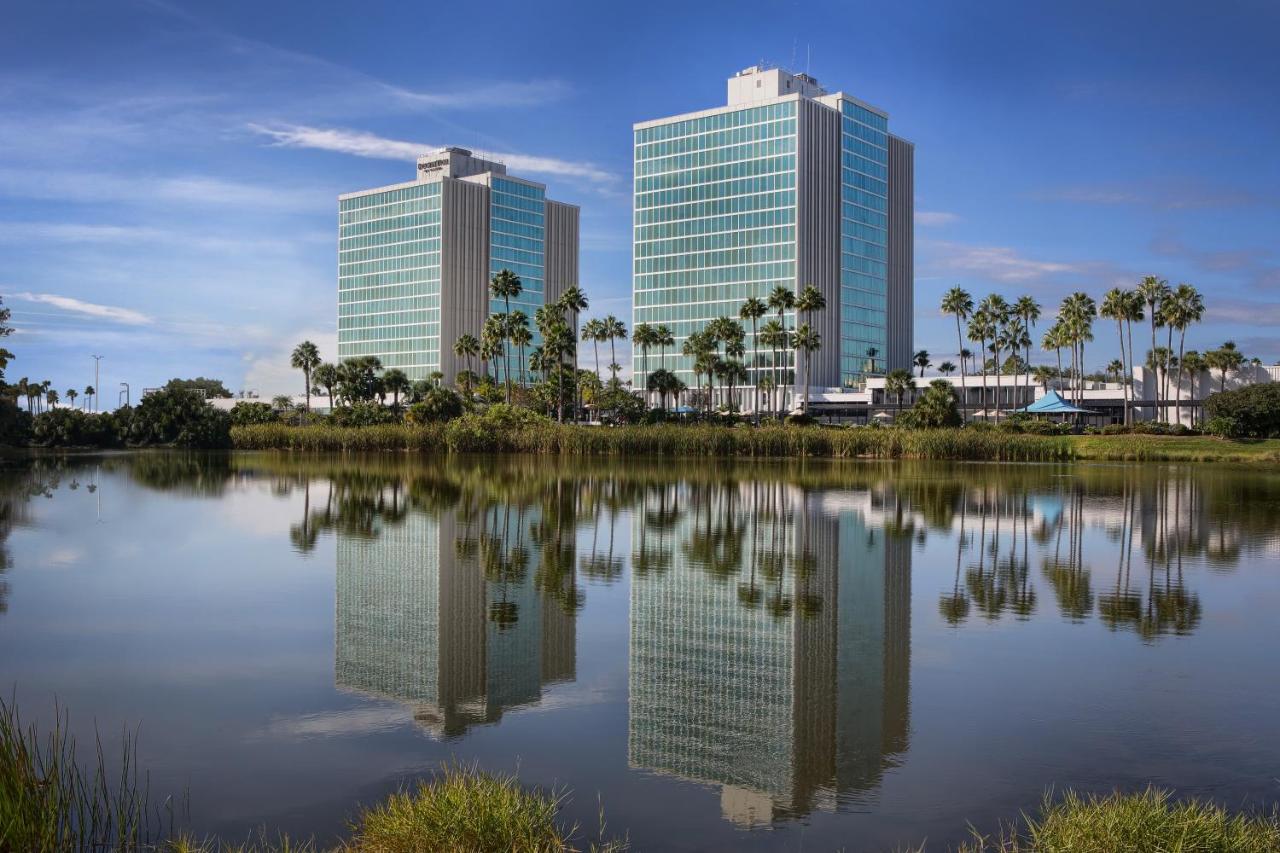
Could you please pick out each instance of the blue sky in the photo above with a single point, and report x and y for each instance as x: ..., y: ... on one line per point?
x: 168, y: 170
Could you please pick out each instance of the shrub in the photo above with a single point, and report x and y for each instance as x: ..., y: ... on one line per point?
x: 437, y: 404
x: 1222, y: 427
x: 1254, y: 408
x: 178, y: 417
x: 1147, y: 822
x: 1116, y: 429
x: 15, y: 424
x: 246, y: 412
x: 801, y: 420
x: 363, y: 414
x: 935, y: 409
x: 75, y: 428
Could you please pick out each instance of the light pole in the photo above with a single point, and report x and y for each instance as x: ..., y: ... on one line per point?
x: 96, y: 360
x: 125, y: 392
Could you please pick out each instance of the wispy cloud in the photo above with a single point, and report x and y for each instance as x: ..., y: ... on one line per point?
x: 935, y: 217
x: 1162, y: 195
x: 363, y: 144
x: 69, y: 304
x: 995, y: 263
x: 190, y: 190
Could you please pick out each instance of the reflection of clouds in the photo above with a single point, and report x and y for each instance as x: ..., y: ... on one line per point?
x: 255, y: 509
x: 62, y: 557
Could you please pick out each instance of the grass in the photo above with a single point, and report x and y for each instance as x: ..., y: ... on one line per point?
x: 1168, y: 448
x: 1147, y: 822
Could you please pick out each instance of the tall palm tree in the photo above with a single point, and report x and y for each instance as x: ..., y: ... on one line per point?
x: 506, y: 285
x: 958, y: 303
x: 520, y: 337
x: 997, y: 309
x: 806, y: 341
x: 781, y: 300
x: 1115, y: 306
x: 1028, y: 309
x: 615, y: 330
x: 981, y: 327
x: 1154, y: 290
x: 396, y: 382
x: 921, y: 360
x: 753, y: 309
x: 71, y: 395
x: 467, y: 346
x: 1224, y: 359
x: 774, y: 336
x: 1194, y: 364
x: 326, y: 376
x: 593, y: 330
x: 51, y: 397
x: 492, y: 340
x: 574, y: 299
x: 1115, y: 369
x: 662, y: 338
x: 946, y: 368
x: 898, y: 382
x: 1055, y: 340
x: 1186, y: 307
x: 91, y: 397
x: 305, y: 357
x: 643, y: 337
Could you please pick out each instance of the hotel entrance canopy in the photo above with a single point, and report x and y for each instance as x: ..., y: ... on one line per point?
x: 1052, y: 403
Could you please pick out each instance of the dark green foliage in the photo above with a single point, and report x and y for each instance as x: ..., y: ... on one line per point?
x: 935, y: 409
x: 180, y: 418
x: 75, y: 428
x: 1222, y: 427
x: 1254, y: 408
x: 246, y: 412
x: 210, y: 387
x: 363, y: 414
x: 15, y: 424
x: 435, y: 404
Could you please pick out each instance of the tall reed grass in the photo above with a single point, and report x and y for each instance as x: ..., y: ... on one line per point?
x: 471, y: 434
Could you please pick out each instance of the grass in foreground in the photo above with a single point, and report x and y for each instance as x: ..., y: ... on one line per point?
x: 1147, y: 822
x: 1161, y: 448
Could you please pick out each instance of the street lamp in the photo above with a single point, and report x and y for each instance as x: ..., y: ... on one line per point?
x: 96, y: 360
x: 124, y: 393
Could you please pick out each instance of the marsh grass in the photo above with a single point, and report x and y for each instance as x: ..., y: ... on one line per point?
x: 49, y: 801
x: 1147, y: 822
x: 464, y: 810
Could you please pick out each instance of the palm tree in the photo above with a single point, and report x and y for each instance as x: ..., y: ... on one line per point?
x: 898, y: 382
x: 1055, y: 340
x: 643, y: 337
x: 71, y: 396
x: 559, y: 343
x: 506, y: 285
x: 774, y: 335
x: 1223, y: 359
x: 614, y: 329
x: 959, y: 304
x: 1076, y: 317
x: 1028, y: 309
x: 395, y: 382
x: 806, y: 341
x: 1043, y: 373
x: 491, y: 343
x: 1153, y: 291
x: 1115, y: 306
x: 593, y: 330
x: 781, y: 300
x: 1194, y: 364
x: 946, y: 368
x: 1115, y: 369
x: 872, y: 352
x: 753, y: 309
x: 809, y: 301
x: 922, y: 361
x: 574, y: 299
x: 325, y: 375
x: 997, y: 310
x: 982, y: 327
x: 1186, y: 307
x: 305, y: 357
x: 467, y: 346
x: 51, y: 397
x: 517, y: 332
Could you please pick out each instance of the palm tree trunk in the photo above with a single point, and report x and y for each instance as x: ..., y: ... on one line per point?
x: 1177, y: 389
x: 964, y: 392
x: 755, y: 360
x: 506, y: 350
x: 1155, y: 386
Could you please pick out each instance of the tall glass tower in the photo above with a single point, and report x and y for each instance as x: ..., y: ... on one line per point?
x: 787, y: 185
x: 415, y: 260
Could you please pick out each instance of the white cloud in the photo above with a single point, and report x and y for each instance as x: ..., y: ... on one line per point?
x: 363, y: 144
x: 935, y: 217
x: 997, y: 263
x: 196, y: 190
x: 71, y: 305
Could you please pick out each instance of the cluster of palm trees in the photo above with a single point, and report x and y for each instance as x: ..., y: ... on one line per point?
x: 719, y: 351
x: 999, y: 327
x: 42, y: 396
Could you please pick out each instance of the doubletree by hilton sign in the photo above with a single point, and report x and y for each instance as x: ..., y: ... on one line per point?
x: 429, y: 166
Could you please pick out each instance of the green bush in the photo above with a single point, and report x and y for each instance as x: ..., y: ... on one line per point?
x: 75, y: 428
x: 437, y: 404
x: 247, y: 412
x: 1254, y: 408
x: 935, y: 409
x: 178, y: 417
x: 1222, y: 427
x: 15, y: 424
x: 1116, y: 429
x: 363, y: 414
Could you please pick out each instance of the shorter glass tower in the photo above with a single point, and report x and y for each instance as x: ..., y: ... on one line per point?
x: 415, y: 260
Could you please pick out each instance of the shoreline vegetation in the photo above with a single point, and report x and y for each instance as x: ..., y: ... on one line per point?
x: 481, y: 434
x: 49, y: 801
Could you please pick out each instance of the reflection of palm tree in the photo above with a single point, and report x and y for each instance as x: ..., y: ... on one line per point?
x: 955, y: 607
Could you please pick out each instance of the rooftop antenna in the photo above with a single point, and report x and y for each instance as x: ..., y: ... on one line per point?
x: 794, y: 42
x: 807, y: 50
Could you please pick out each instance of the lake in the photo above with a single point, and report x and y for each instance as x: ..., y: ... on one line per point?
x: 810, y: 655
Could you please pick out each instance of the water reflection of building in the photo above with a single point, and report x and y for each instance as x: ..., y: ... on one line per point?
x: 784, y: 676
x: 420, y: 620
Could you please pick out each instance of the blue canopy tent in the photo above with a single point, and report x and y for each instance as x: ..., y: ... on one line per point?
x: 1053, y: 403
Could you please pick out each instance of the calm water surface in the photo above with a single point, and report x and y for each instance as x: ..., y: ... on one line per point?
x: 814, y: 655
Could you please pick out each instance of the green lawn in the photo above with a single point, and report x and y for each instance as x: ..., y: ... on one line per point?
x: 1167, y: 448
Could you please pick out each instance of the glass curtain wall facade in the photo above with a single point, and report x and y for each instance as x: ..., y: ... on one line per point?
x: 389, y: 278
x: 715, y: 221
x: 517, y: 228
x: 864, y: 240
